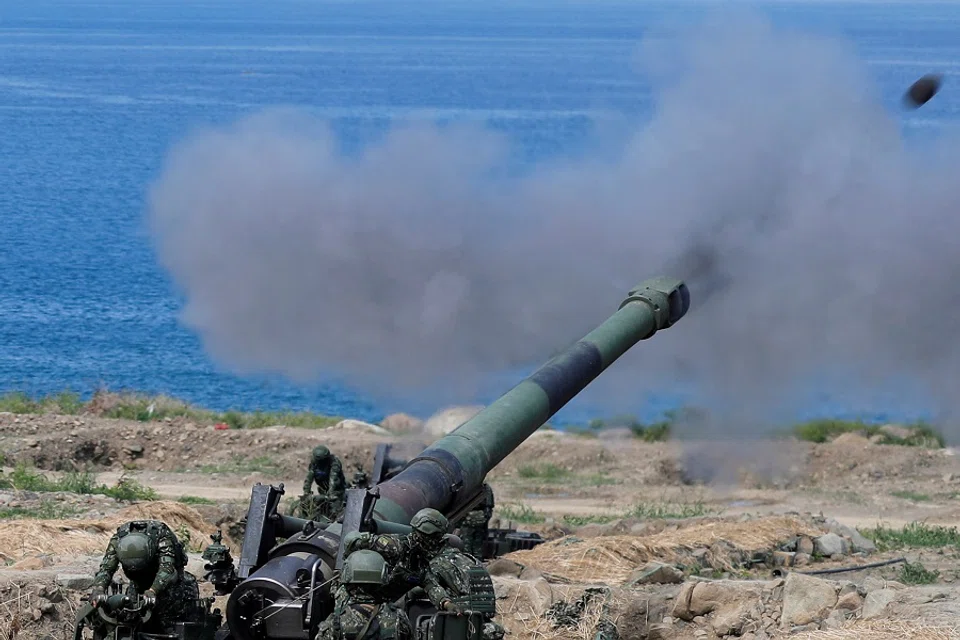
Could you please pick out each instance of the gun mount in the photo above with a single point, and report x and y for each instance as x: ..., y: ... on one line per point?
x: 283, y: 589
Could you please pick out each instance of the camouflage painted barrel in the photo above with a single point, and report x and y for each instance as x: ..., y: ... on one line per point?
x: 452, y: 469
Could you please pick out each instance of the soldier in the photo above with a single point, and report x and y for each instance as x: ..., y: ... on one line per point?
x: 153, y: 560
x: 475, y: 525
x: 447, y: 583
x: 409, y: 554
x: 327, y: 471
x: 363, y: 608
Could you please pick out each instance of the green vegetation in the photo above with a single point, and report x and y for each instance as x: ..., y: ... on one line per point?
x: 824, y: 430
x: 911, y: 495
x: 915, y: 534
x: 596, y: 518
x: 46, y: 510
x: 668, y: 511
x: 241, y: 464
x: 195, y: 500
x: 127, y: 489
x: 544, y: 472
x: 522, y: 513
x: 132, y: 406
x: 917, y: 574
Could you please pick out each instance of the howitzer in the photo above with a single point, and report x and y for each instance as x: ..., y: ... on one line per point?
x: 284, y: 588
x: 119, y: 616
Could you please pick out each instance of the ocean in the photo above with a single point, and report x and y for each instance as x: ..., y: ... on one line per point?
x: 93, y: 94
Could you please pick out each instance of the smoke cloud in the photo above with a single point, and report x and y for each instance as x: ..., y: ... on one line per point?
x: 769, y: 176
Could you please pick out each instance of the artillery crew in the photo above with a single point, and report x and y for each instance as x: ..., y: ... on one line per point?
x: 475, y: 525
x: 153, y: 560
x: 326, y: 471
x: 421, y: 561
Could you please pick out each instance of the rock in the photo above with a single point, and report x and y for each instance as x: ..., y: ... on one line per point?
x: 358, y: 425
x: 76, y: 582
x: 401, y: 423
x: 859, y: 543
x: 805, y: 545
x: 29, y: 564
x: 806, y: 599
x: 783, y: 558
x: 446, y: 420
x: 660, y: 631
x: 134, y: 450
x: 874, y: 583
x: 802, y: 559
x: 850, y: 602
x: 876, y: 602
x: 830, y: 544
x: 504, y: 567
x: 731, y: 603
x: 896, y: 431
x: 655, y: 573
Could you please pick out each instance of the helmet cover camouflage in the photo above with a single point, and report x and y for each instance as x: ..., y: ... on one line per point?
x: 135, y: 551
x: 321, y: 452
x: 364, y: 567
x: 429, y: 522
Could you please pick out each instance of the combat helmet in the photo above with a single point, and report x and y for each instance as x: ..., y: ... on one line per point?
x: 364, y: 567
x: 429, y: 526
x: 136, y: 551
x: 320, y: 452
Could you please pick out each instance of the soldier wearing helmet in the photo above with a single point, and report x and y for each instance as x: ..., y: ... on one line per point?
x: 153, y: 562
x: 408, y: 554
x: 363, y: 608
x: 326, y: 471
x: 475, y: 525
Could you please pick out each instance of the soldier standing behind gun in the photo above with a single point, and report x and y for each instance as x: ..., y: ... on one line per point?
x: 474, y: 527
x: 153, y: 560
x: 447, y: 584
x: 327, y: 471
x: 363, y: 608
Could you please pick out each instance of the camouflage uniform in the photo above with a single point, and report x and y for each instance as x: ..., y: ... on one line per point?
x: 327, y: 471
x: 153, y: 560
x: 474, y: 526
x: 448, y: 585
x: 363, y: 609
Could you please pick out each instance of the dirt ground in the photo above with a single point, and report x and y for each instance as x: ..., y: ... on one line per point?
x: 555, y: 484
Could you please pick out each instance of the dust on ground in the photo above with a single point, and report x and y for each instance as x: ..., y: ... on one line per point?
x: 612, y: 508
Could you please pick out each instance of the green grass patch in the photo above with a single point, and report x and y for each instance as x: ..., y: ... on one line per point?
x: 824, y: 430
x: 143, y: 408
x: 670, y: 511
x: 916, y: 573
x: 22, y: 478
x: 195, y: 500
x: 594, y: 518
x: 915, y: 534
x: 241, y: 464
x: 911, y: 495
x: 544, y: 472
x: 521, y: 513
x: 46, y: 510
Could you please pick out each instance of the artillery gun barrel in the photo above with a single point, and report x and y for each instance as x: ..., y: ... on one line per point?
x: 453, y: 468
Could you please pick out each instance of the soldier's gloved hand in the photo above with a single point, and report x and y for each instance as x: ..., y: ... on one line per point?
x: 149, y: 598
x: 449, y: 605
x: 96, y: 596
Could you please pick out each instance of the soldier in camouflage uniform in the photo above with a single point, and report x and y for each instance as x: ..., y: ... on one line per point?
x: 153, y: 560
x: 474, y: 527
x: 447, y: 584
x: 363, y: 608
x: 409, y: 554
x: 326, y: 471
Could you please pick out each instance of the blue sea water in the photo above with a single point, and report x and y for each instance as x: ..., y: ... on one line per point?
x: 93, y: 93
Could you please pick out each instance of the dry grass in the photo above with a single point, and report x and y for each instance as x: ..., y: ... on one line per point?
x: 884, y: 630
x: 610, y: 559
x: 522, y: 612
x: 26, y: 538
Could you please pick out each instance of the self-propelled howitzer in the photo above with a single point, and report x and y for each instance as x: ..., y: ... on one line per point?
x: 283, y: 590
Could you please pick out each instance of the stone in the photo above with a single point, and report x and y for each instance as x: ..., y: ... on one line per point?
x: 897, y: 431
x: 830, y: 544
x: 783, y: 558
x: 876, y: 602
x: 504, y: 567
x: 858, y: 542
x: 133, y: 450
x: 359, y: 425
x: 850, y: 602
x: 806, y: 599
x: 74, y: 581
x: 805, y: 545
x: 802, y: 559
x: 660, y: 631
x: 655, y: 573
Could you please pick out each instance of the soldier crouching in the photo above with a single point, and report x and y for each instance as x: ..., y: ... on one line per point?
x: 153, y: 561
x: 363, y: 610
